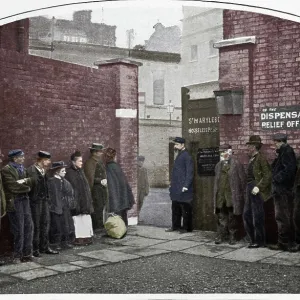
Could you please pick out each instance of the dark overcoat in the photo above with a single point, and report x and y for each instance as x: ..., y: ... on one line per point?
x: 94, y: 171
x: 263, y: 176
x: 37, y: 182
x: 237, y: 182
x: 120, y: 196
x: 83, y: 203
x: 61, y: 195
x: 182, y: 176
x: 2, y: 200
x: 11, y: 188
x: 284, y: 169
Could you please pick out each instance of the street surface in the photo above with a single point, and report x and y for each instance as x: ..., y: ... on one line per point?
x: 156, y: 209
x: 149, y: 260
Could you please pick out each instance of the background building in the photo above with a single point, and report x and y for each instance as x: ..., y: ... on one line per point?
x: 159, y: 91
x: 79, y: 30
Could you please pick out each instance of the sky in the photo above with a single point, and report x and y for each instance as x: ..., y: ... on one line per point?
x: 141, y: 18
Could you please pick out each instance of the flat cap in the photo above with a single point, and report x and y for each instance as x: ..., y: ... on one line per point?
x: 97, y: 147
x: 179, y: 140
x: 281, y: 137
x: 15, y: 152
x: 44, y: 154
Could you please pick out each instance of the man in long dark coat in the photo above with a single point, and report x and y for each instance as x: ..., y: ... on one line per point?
x: 181, y: 188
x: 259, y: 178
x: 284, y: 169
x: 95, y: 173
x: 39, y: 203
x: 229, y: 190
x: 17, y: 184
x: 2, y: 197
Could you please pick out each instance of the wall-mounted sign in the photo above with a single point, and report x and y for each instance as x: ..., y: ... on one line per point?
x: 202, y: 117
x: 207, y: 158
x: 282, y: 117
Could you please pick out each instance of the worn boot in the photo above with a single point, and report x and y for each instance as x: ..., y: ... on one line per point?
x: 219, y: 240
x: 232, y: 240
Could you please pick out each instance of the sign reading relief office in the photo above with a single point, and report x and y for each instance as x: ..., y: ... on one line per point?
x: 285, y: 117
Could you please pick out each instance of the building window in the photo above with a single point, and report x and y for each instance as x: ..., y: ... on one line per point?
x: 212, y: 51
x: 194, y: 53
x: 159, y: 91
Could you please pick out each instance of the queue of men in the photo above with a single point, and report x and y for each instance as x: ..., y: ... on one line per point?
x: 240, y: 193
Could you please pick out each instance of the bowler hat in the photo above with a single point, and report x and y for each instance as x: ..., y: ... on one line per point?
x: 16, y: 152
x: 179, y: 140
x: 44, y: 154
x: 224, y: 147
x: 254, y: 140
x: 57, y: 165
x: 281, y: 137
x: 97, y: 147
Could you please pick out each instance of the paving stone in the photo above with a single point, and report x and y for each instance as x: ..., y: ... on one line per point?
x: 208, y: 250
x: 141, y: 241
x: 48, y: 260
x: 7, y: 280
x: 142, y: 251
x: 235, y: 246
x: 196, y: 238
x: 176, y: 245
x: 283, y: 258
x: 20, y: 267
x: 158, y: 233
x: 36, y: 273
x: 64, y: 268
x: 249, y: 255
x: 109, y: 255
x: 88, y: 263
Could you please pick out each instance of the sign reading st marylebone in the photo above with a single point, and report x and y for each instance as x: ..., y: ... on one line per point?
x: 286, y: 117
x: 203, y: 125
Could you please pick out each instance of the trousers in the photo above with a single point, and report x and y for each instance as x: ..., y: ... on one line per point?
x: 182, y: 211
x: 227, y: 223
x: 21, y: 227
x: 254, y: 216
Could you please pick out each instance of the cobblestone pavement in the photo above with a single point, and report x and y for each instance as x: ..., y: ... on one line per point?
x: 140, y: 244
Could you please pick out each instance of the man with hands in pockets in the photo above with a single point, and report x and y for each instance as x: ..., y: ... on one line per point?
x: 181, y: 188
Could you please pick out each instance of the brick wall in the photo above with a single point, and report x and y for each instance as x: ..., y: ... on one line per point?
x: 59, y: 107
x: 268, y: 72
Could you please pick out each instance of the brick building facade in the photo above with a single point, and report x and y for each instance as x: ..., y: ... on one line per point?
x: 60, y: 107
x: 260, y: 56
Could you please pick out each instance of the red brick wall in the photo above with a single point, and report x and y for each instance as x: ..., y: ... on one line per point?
x: 59, y: 107
x: 14, y: 35
x: 268, y: 72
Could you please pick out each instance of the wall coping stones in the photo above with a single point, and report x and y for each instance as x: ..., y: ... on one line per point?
x: 235, y: 41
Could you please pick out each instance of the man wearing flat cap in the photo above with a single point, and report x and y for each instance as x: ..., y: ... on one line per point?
x: 143, y: 183
x: 39, y: 203
x: 229, y: 190
x: 259, y: 178
x: 95, y: 173
x: 181, y: 188
x: 17, y: 185
x: 284, y: 169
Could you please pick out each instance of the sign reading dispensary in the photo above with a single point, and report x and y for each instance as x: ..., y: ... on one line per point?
x: 286, y: 117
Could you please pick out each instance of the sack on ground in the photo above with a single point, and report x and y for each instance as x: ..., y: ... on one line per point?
x: 115, y: 227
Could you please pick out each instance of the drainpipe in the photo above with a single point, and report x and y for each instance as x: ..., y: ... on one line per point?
x: 20, y: 36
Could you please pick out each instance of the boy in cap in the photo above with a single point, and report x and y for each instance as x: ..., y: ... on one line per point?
x: 95, y: 173
x: 143, y: 183
x: 284, y: 169
x: 39, y: 203
x: 229, y: 189
x: 181, y: 188
x: 258, y: 190
x: 16, y: 184
x: 61, y: 196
